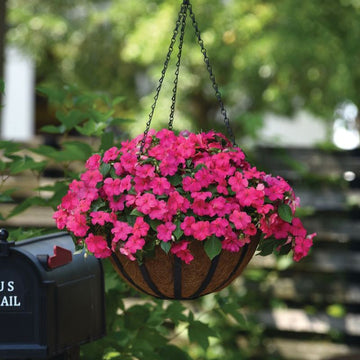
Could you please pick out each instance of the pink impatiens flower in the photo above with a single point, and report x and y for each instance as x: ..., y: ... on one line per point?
x: 145, y: 203
x: 141, y: 227
x: 240, y: 219
x: 98, y: 246
x: 186, y: 225
x: 93, y: 163
x: 160, y: 186
x: 201, y: 230
x: 164, y: 231
x: 181, y: 250
x: 99, y: 217
x: 121, y: 230
x: 91, y: 177
x: 200, y: 181
x: 218, y: 226
x: 60, y: 216
x: 111, y: 154
x: 76, y: 223
x: 302, y: 246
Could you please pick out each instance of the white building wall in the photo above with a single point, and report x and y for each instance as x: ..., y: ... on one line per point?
x: 17, y: 115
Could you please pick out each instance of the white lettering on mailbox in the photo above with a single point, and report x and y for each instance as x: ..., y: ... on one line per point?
x: 8, y: 300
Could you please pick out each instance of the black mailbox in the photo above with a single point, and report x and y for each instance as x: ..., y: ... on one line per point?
x: 51, y: 300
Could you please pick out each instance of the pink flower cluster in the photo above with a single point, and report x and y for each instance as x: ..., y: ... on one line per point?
x: 190, y: 187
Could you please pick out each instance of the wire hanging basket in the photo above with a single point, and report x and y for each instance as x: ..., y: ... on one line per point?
x: 181, y: 216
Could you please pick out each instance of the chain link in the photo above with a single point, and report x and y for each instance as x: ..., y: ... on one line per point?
x: 212, y: 76
x: 177, y: 70
x: 183, y: 11
x: 181, y: 20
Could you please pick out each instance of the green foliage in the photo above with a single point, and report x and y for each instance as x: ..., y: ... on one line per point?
x: 265, y: 55
x: 137, y: 328
x: 285, y: 213
x: 213, y: 247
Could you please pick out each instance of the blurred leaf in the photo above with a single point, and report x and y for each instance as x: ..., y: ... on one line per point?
x: 84, y: 150
x: 336, y: 310
x: 107, y: 140
x: 71, y: 119
x: 199, y: 333
x: 172, y: 352
x: 175, y: 312
x: 9, y: 147
x: 52, y: 129
x: 91, y: 128
x: 20, y: 234
x: 120, y: 121
x: 136, y: 316
x: 5, y: 196
x: 26, y: 163
x: 27, y: 203
x: 53, y: 93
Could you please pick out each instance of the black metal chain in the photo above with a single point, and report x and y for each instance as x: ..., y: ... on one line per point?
x: 181, y: 20
x: 182, y: 11
x: 177, y: 70
x: 212, y: 76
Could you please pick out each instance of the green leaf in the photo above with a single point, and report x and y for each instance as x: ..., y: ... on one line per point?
x: 136, y: 317
x: 154, y: 224
x: 120, y: 121
x: 53, y: 93
x: 44, y: 150
x: 178, y: 233
x: 166, y: 246
x: 118, y: 100
x: 33, y: 201
x: 26, y: 163
x: 51, y: 129
x: 266, y: 246
x: 172, y: 352
x: 137, y: 213
x: 199, y: 167
x: 175, y: 312
x: 9, y: 147
x: 285, y: 213
x: 200, y: 333
x: 5, y: 196
x: 107, y: 140
x: 91, y: 128
x: 104, y: 169
x: 284, y: 250
x: 84, y: 150
x: 232, y: 309
x: 71, y: 119
x: 212, y: 247
x: 175, y: 180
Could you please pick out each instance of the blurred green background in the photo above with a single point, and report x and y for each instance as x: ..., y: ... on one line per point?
x: 267, y: 55
x: 97, y: 67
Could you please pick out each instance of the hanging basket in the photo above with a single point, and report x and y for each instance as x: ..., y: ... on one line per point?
x: 167, y: 277
x: 180, y: 216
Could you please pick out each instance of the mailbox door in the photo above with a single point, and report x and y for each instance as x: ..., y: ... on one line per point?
x: 22, y: 308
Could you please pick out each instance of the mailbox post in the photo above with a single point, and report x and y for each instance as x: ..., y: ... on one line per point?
x: 51, y: 300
